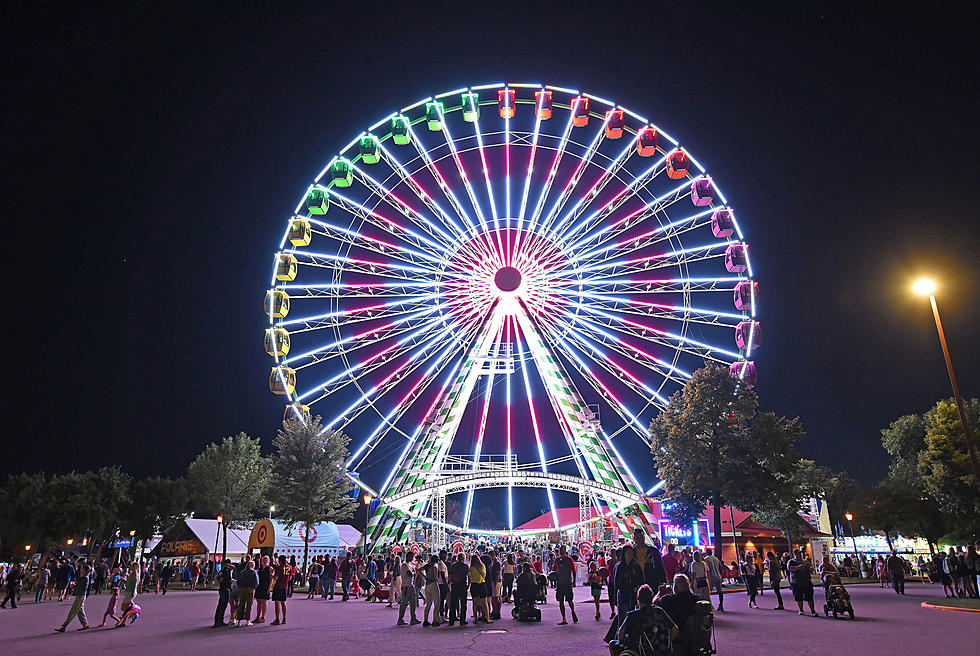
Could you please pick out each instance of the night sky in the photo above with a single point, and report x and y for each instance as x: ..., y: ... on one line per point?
x: 153, y: 156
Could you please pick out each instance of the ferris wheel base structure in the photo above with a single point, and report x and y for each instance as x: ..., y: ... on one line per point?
x: 517, y: 238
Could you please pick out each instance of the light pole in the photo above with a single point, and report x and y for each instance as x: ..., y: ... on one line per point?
x: 367, y: 517
x: 217, y: 532
x: 848, y: 516
x: 272, y: 509
x: 926, y: 287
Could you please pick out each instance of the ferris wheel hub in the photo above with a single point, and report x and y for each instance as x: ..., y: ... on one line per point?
x: 507, y: 279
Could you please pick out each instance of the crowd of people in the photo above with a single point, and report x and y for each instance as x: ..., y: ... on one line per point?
x: 651, y: 590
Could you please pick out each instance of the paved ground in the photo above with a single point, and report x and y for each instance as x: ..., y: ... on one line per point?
x: 177, y: 624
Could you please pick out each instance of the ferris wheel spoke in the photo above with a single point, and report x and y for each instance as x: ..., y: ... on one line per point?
x: 356, y: 239
x: 598, y: 334
x: 401, y: 206
x: 617, y: 227
x: 481, y: 431
x: 657, y: 336
x: 474, y: 107
x: 638, y: 242
x: 360, y: 211
x: 355, y: 265
x: 340, y: 318
x: 534, y: 417
x: 682, y: 256
x: 608, y: 174
x: 412, y: 361
x: 596, y: 383
x: 650, y: 285
x: 683, y: 313
x: 549, y: 220
x: 531, y: 156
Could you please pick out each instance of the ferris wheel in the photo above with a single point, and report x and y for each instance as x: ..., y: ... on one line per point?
x: 492, y: 291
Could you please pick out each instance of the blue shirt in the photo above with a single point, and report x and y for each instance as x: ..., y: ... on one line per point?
x: 372, y: 570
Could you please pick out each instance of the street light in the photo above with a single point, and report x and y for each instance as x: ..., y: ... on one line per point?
x: 848, y: 516
x: 367, y: 509
x: 927, y: 287
x: 272, y: 509
x: 27, y: 547
x: 69, y: 542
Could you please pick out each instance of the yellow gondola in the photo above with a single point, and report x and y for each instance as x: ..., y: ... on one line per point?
x: 286, y: 267
x: 276, y: 342
x: 282, y: 380
x: 296, y: 412
x: 277, y: 303
x: 300, y: 232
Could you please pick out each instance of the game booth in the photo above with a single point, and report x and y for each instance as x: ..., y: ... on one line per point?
x: 271, y: 537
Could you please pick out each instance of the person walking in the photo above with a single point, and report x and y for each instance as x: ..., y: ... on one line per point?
x: 78, y: 604
x: 750, y: 578
x: 346, y: 570
x: 775, y: 577
x: 129, y: 594
x: 564, y: 567
x: 13, y: 581
x: 800, y: 581
x: 507, y: 587
x: 896, y: 570
x: 715, y: 578
x: 110, y: 610
x: 409, y: 598
x: 313, y: 577
x: 395, y: 589
x: 595, y: 586
x: 628, y: 578
x: 458, y: 574
x: 700, y: 575
x: 166, y: 573
x: 611, y: 563
x: 280, y: 589
x: 371, y: 575
x: 43, y: 576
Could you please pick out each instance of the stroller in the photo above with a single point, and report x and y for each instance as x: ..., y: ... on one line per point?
x: 542, y: 582
x: 838, y: 601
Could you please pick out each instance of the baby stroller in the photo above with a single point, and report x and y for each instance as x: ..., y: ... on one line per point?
x: 838, y: 601
x: 542, y: 582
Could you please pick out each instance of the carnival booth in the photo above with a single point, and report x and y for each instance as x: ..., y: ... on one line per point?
x: 200, y: 538
x: 271, y: 537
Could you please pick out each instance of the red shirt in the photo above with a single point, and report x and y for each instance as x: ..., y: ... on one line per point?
x: 283, y: 572
x: 671, y: 565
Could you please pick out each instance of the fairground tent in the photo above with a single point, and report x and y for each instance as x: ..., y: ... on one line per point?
x: 325, y: 538
x: 201, y: 538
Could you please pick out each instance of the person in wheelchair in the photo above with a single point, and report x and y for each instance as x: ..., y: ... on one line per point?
x: 527, y: 587
x: 646, y: 631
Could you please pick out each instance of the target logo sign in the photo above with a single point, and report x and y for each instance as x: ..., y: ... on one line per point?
x: 584, y: 550
x: 458, y: 547
x: 308, y: 535
x: 262, y: 533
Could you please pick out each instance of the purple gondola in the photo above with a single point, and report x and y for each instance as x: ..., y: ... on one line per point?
x: 737, y: 258
x: 702, y: 193
x: 748, y: 331
x: 722, y: 223
x: 744, y: 370
x: 746, y: 293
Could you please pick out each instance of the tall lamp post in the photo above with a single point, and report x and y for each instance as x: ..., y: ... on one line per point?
x: 367, y: 517
x: 848, y: 516
x: 927, y: 287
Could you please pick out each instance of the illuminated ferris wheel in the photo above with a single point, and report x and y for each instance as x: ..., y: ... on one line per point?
x: 493, y: 290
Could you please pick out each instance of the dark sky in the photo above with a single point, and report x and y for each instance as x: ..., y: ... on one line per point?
x: 150, y: 156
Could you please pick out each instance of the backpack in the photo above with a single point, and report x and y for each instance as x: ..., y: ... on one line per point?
x: 695, y: 638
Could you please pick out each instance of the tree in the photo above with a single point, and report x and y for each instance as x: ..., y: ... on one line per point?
x: 905, y: 440
x: 229, y: 479
x: 155, y: 505
x: 23, y: 502
x: 841, y: 492
x: 944, y: 463
x: 309, y: 476
x: 701, y: 446
x: 805, y: 481
x: 887, y: 505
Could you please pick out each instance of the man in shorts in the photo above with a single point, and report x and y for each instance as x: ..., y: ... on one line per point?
x: 564, y: 569
x: 800, y: 570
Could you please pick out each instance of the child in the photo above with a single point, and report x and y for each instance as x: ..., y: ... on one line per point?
x: 110, y: 610
x: 595, y: 582
x: 355, y: 587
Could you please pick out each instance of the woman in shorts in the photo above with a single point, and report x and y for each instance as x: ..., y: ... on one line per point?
x: 595, y: 583
x: 478, y: 590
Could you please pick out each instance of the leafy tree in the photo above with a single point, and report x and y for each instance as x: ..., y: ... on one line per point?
x: 701, y: 444
x: 155, y: 505
x: 905, y: 440
x: 841, y: 492
x: 945, y: 462
x: 309, y: 482
x: 229, y: 479
x: 887, y: 505
x: 23, y: 504
x: 804, y: 481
